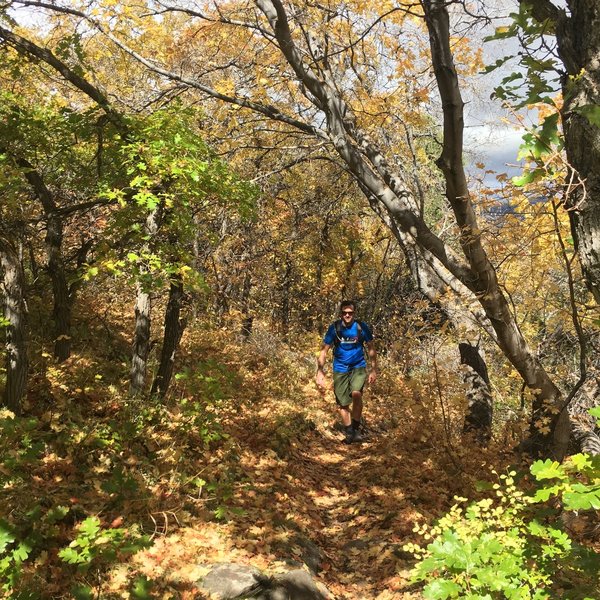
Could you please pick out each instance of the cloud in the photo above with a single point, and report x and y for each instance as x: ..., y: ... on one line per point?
x: 496, y: 147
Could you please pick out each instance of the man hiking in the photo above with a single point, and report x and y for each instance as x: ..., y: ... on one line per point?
x: 348, y: 337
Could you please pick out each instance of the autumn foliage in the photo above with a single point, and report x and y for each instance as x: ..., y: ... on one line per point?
x: 187, y: 195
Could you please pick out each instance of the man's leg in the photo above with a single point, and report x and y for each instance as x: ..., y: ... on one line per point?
x: 357, y: 407
x: 345, y: 414
x: 343, y: 396
x: 357, y: 383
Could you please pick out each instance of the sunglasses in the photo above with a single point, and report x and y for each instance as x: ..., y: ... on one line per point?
x: 347, y: 312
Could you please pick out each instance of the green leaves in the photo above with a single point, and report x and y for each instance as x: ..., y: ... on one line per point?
x: 542, y: 141
x: 595, y: 412
x: 547, y: 469
x: 95, y: 544
x: 142, y: 588
x: 534, y: 81
x: 591, y: 112
x: 539, y: 146
x: 14, y: 550
x: 441, y: 589
x: 536, y: 78
x: 172, y: 179
x: 578, y: 482
x: 90, y: 527
x: 508, y: 547
x: 582, y: 497
x: 7, y: 536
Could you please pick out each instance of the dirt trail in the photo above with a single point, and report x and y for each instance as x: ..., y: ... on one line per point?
x: 358, y: 504
x: 298, y: 495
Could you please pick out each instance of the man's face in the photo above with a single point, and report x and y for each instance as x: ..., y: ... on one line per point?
x: 347, y: 314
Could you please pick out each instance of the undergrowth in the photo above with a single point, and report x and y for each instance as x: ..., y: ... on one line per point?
x: 515, y: 544
x: 98, y: 490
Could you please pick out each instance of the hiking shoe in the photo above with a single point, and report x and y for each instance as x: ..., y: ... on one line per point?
x: 353, y: 436
x: 349, y: 435
x: 357, y: 437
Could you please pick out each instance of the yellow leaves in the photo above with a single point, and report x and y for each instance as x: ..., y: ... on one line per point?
x: 468, y: 56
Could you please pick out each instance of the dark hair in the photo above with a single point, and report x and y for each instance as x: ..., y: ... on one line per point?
x: 347, y: 303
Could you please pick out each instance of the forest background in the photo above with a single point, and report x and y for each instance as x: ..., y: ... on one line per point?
x: 209, y: 181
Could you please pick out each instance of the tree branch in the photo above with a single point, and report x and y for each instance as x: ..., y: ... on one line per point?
x: 543, y: 9
x: 269, y: 111
x: 27, y: 47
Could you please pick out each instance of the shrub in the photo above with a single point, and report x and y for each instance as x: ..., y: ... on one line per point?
x: 514, y: 545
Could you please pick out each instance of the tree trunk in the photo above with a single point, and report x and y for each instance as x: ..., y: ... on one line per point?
x: 444, y: 290
x: 63, y: 302
x: 578, y: 39
x: 324, y: 241
x: 585, y: 431
x: 143, y: 312
x: 17, y: 360
x: 247, y: 318
x: 141, y: 340
x: 173, y: 330
x: 549, y: 430
x: 478, y: 420
x: 221, y: 295
x: 285, y: 287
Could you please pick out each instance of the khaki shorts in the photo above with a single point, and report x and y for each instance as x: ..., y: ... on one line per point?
x: 346, y: 383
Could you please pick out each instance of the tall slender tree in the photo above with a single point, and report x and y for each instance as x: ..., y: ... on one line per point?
x: 17, y: 353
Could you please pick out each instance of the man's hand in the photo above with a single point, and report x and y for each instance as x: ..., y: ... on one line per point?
x: 320, y: 380
x: 372, y: 361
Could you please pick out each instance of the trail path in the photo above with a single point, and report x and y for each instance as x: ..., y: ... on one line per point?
x: 299, y: 496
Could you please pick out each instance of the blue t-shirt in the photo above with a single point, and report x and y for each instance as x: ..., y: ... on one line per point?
x: 349, y: 353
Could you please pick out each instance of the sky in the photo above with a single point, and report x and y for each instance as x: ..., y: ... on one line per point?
x: 489, y: 136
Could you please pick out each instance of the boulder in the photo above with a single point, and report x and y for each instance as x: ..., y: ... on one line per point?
x: 230, y: 581
x: 227, y: 581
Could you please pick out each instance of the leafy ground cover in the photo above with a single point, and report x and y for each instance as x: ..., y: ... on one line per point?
x: 105, y: 496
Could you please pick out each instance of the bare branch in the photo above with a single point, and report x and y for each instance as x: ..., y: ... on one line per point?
x: 27, y: 47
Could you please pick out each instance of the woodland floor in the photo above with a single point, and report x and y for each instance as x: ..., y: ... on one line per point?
x: 358, y: 504
x: 278, y: 482
x: 294, y: 482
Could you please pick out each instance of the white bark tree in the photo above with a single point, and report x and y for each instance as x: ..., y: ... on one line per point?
x: 17, y: 355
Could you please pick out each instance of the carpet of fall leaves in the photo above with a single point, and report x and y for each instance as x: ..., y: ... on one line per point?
x: 276, y: 475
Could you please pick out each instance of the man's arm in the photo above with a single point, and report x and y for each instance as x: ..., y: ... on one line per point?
x: 372, y: 354
x: 320, y: 378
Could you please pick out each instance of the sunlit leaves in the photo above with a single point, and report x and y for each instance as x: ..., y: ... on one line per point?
x: 172, y: 172
x: 537, y: 77
x: 577, y: 481
x: 95, y: 543
x: 540, y: 146
x: 507, y: 546
x: 547, y: 469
